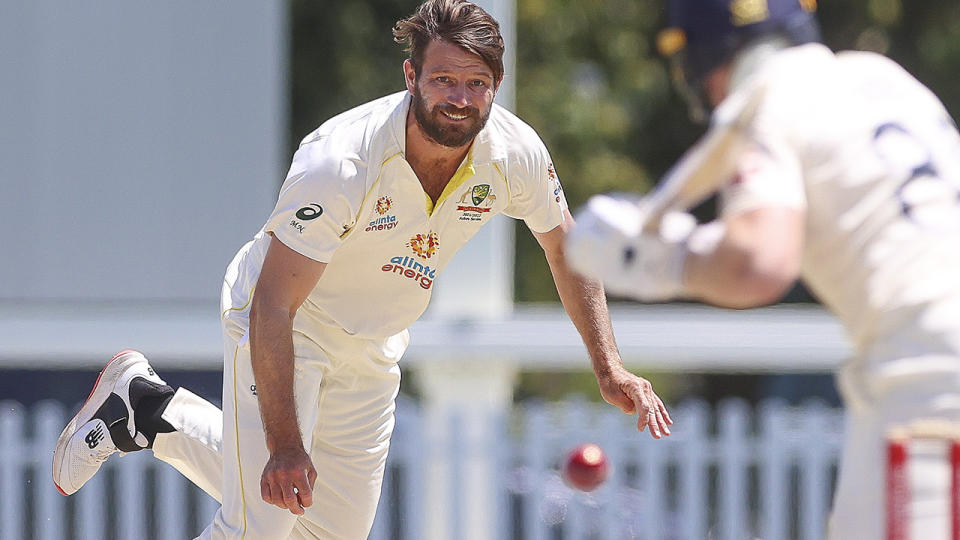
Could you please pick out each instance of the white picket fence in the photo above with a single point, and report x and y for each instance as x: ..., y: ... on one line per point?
x: 729, y: 473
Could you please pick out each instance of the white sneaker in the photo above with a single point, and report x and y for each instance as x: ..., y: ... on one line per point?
x: 104, y: 424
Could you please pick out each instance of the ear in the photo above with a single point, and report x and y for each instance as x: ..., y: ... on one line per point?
x: 409, y: 75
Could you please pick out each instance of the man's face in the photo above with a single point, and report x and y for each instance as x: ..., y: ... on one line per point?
x: 453, y: 94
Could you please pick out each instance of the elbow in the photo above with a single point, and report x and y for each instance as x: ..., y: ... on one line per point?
x: 263, y: 312
x: 760, y: 283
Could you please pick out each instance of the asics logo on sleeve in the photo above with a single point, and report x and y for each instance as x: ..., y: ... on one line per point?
x: 94, y: 437
x: 311, y: 211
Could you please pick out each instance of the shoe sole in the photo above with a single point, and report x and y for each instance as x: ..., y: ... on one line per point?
x: 98, y: 394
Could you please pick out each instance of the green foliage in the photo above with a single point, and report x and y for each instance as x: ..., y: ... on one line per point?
x: 342, y: 55
x: 589, y: 80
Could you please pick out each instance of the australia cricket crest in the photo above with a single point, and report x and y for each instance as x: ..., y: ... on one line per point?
x: 480, y: 192
x: 481, y: 197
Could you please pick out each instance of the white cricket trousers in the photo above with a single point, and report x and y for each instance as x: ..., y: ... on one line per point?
x: 345, y: 388
x: 859, y: 508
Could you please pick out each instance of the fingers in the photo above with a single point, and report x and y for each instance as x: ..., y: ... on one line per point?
x: 290, y: 498
x: 293, y: 495
x: 304, y: 488
x: 265, y: 492
x: 650, y: 420
x: 652, y: 413
x: 663, y: 411
x: 289, y: 487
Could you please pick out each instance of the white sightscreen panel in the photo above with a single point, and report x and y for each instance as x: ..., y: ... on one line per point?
x: 140, y: 143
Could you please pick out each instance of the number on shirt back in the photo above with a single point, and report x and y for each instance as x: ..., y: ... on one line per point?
x: 930, y: 192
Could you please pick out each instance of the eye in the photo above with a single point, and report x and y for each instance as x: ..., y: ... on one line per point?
x: 443, y: 79
x: 478, y: 83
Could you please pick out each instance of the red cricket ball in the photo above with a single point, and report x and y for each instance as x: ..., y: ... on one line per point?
x: 586, y: 467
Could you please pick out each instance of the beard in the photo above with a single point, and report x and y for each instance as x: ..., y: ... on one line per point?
x: 443, y: 131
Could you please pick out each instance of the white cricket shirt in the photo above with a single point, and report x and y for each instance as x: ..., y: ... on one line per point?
x: 352, y: 201
x: 874, y: 158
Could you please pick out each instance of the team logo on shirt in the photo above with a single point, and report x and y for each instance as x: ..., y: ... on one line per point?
x: 311, y: 211
x: 383, y: 204
x: 424, y: 245
x: 384, y: 222
x: 482, y: 201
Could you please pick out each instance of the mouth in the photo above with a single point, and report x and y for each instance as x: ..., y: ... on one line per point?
x: 457, y: 117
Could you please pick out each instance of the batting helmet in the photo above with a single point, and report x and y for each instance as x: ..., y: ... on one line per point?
x: 705, y: 34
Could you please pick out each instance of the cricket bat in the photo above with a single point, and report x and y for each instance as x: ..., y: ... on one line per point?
x: 708, y: 164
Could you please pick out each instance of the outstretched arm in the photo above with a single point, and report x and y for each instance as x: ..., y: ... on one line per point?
x: 585, y: 303
x: 285, y: 282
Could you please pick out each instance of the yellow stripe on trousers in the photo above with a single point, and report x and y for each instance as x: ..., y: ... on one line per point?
x: 236, y: 431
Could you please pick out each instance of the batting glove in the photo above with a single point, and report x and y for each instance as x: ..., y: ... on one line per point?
x: 608, y: 244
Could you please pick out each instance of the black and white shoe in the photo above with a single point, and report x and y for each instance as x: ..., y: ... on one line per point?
x: 105, y: 423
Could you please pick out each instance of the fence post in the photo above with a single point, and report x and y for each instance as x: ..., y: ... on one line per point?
x: 573, y: 431
x: 171, y: 494
x: 775, y: 454
x: 690, y: 433
x: 11, y: 469
x: 732, y: 519
x: 131, y: 518
x: 534, y: 444
x: 49, y: 420
x: 814, y: 483
x: 91, y: 510
x: 614, y: 517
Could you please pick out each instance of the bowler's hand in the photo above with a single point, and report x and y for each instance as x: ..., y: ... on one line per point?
x: 635, y: 395
x: 288, y: 479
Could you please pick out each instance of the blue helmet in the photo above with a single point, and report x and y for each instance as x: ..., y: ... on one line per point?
x: 705, y: 34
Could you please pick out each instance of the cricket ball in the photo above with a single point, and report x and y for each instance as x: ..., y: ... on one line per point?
x: 586, y: 467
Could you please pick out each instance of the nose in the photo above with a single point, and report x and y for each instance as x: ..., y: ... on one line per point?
x: 459, y: 96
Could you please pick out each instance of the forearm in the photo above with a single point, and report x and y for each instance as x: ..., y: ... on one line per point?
x: 271, y: 355
x: 586, y: 305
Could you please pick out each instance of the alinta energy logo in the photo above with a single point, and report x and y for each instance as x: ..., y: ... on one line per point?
x: 424, y: 246
x: 383, y: 204
x: 384, y: 222
x: 482, y: 200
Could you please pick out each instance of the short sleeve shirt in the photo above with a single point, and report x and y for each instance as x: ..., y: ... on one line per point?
x: 352, y: 201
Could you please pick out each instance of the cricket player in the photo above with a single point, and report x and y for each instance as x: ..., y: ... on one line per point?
x: 316, y: 307
x: 850, y: 180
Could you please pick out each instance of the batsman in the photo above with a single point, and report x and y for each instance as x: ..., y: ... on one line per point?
x: 316, y: 307
x: 848, y: 176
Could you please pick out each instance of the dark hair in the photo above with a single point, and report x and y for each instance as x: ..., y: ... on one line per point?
x: 459, y: 22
